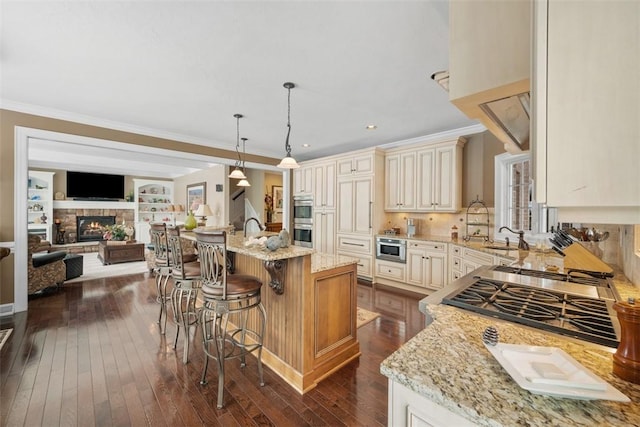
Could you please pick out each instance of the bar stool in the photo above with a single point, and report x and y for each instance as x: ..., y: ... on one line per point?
x: 185, y: 271
x: 162, y: 269
x: 224, y: 295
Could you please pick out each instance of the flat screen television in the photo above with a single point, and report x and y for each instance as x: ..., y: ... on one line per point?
x: 95, y: 186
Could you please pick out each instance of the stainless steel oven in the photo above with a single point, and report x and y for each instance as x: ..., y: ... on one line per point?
x: 303, y: 210
x: 302, y: 235
x: 391, y: 249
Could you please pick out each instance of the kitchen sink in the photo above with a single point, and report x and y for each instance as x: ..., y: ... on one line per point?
x: 501, y: 248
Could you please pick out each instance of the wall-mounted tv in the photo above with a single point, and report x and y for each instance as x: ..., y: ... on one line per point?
x: 94, y: 186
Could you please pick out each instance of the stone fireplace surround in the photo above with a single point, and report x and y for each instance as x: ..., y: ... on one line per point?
x: 68, y: 213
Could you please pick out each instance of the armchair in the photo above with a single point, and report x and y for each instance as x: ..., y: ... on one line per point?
x: 44, y: 269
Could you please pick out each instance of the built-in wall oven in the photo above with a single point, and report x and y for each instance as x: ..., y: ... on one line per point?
x: 303, y: 209
x: 302, y: 235
x: 391, y: 249
x: 303, y: 221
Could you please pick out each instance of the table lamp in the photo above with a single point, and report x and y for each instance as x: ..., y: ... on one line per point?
x: 203, y: 211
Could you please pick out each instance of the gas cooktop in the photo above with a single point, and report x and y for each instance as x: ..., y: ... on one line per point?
x: 576, y: 304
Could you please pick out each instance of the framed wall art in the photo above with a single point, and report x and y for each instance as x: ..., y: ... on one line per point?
x: 196, y: 195
x: 277, y: 195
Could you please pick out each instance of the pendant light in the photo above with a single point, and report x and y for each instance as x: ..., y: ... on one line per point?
x: 288, y: 162
x: 244, y: 182
x: 237, y: 173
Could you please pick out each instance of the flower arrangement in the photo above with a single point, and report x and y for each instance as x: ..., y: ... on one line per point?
x: 268, y: 203
x: 117, y: 232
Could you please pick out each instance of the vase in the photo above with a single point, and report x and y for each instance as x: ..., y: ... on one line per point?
x: 190, y: 221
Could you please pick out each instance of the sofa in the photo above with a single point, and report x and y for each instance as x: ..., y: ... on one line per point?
x: 44, y: 268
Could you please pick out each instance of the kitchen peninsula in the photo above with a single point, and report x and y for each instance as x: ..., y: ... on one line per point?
x: 446, y: 376
x: 311, y: 313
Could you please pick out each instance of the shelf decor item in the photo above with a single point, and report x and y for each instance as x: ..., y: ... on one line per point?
x: 477, y: 221
x: 190, y: 221
x: 115, y: 232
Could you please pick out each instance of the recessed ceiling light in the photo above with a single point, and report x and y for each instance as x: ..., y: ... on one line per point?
x: 372, y: 127
x: 306, y: 145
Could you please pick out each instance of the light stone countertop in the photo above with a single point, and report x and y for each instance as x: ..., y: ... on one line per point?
x: 448, y: 364
x: 474, y: 244
x: 322, y: 262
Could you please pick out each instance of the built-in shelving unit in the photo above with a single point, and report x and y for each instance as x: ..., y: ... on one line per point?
x: 39, y: 204
x: 153, y: 203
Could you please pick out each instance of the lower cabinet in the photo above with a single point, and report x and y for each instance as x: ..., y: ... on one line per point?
x: 359, y: 247
x: 408, y: 408
x: 390, y: 270
x: 426, y: 264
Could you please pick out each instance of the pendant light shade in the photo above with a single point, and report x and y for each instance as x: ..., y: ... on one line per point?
x: 244, y: 182
x: 288, y: 162
x: 237, y: 173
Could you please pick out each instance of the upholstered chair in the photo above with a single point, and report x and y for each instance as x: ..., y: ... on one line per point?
x: 44, y: 268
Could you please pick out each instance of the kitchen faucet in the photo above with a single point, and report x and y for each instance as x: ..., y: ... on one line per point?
x: 521, y: 243
x: 260, y: 226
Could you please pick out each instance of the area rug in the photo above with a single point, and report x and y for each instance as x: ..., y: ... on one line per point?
x: 4, y: 336
x: 92, y: 268
x: 365, y: 316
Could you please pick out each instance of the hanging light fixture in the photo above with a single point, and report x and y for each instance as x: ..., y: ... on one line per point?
x: 237, y: 173
x: 244, y: 182
x: 288, y: 162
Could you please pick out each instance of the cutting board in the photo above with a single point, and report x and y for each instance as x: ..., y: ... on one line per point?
x: 579, y: 257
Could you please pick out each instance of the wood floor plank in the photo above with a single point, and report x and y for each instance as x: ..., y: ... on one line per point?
x: 92, y: 354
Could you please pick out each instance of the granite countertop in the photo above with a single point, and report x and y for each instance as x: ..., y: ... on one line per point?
x: 448, y: 364
x: 322, y: 261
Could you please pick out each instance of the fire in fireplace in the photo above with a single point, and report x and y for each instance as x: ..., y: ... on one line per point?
x: 92, y: 228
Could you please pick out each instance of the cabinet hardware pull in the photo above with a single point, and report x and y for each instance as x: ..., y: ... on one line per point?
x: 353, y: 244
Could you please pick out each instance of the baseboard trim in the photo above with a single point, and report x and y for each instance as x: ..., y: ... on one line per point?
x: 6, y: 310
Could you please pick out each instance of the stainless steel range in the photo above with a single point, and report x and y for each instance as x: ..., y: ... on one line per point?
x: 575, y: 304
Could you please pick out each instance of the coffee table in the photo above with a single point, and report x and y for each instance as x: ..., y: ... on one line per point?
x: 113, y: 252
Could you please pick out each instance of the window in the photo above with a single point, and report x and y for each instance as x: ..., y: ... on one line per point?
x: 515, y: 205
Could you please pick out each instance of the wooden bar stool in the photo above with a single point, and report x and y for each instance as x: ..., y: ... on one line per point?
x: 162, y: 269
x: 227, y: 295
x: 185, y: 271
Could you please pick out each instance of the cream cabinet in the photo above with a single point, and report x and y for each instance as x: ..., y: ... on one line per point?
x: 410, y: 409
x: 586, y: 115
x: 425, y: 177
x: 355, y: 197
x: 324, y: 231
x: 391, y: 270
x: 427, y: 264
x: 363, y: 163
x: 400, y: 181
x: 464, y: 260
x: 40, y: 204
x: 303, y: 180
x: 324, y: 185
x: 153, y: 203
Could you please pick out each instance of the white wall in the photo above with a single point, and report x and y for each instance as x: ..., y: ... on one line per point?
x: 216, y: 175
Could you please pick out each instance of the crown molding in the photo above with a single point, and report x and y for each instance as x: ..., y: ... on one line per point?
x: 436, y: 137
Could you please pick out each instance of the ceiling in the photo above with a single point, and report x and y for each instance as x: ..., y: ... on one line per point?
x: 181, y: 70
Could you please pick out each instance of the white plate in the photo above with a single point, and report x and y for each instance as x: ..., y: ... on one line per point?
x: 552, y: 372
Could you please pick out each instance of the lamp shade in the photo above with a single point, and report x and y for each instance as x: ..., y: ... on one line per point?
x: 237, y: 174
x: 288, y: 163
x: 203, y: 210
x: 244, y: 183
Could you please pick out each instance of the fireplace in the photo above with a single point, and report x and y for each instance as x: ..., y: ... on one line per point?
x: 91, y: 228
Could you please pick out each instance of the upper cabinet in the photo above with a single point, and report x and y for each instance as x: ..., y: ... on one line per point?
x: 424, y: 178
x: 586, y: 127
x: 324, y: 185
x: 359, y: 164
x: 303, y: 180
x: 490, y: 66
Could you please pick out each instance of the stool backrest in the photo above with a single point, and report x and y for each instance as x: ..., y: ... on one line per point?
x: 158, y: 233
x: 175, y: 252
x: 212, y: 251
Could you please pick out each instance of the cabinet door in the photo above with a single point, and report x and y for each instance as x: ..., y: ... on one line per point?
x: 407, y: 182
x: 303, y: 180
x: 324, y: 232
x: 595, y: 123
x: 346, y: 206
x: 444, y: 179
x: 360, y: 164
x: 436, y: 271
x: 426, y: 170
x: 362, y: 205
x: 416, y: 266
x: 392, y: 182
x: 324, y: 184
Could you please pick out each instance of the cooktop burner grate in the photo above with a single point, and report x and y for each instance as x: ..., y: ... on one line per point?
x: 583, y: 318
x: 574, y: 277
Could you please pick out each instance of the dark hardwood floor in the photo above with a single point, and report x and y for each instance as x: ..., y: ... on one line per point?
x: 91, y: 354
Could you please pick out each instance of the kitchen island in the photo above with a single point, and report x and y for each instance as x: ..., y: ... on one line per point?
x: 311, y: 312
x: 446, y: 376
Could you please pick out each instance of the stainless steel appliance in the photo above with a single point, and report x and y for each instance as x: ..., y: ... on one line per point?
x: 578, y: 304
x: 411, y: 227
x: 303, y: 209
x: 303, y: 235
x: 391, y: 249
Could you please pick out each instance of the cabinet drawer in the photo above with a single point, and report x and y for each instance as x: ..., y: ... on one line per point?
x: 504, y: 261
x: 355, y: 244
x: 427, y: 246
x: 456, y: 250
x: 477, y: 257
x: 364, y: 263
x: 456, y: 263
x: 390, y: 270
x: 455, y: 275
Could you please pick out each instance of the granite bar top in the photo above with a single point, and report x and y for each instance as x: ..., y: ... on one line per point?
x: 321, y: 261
x: 448, y: 364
